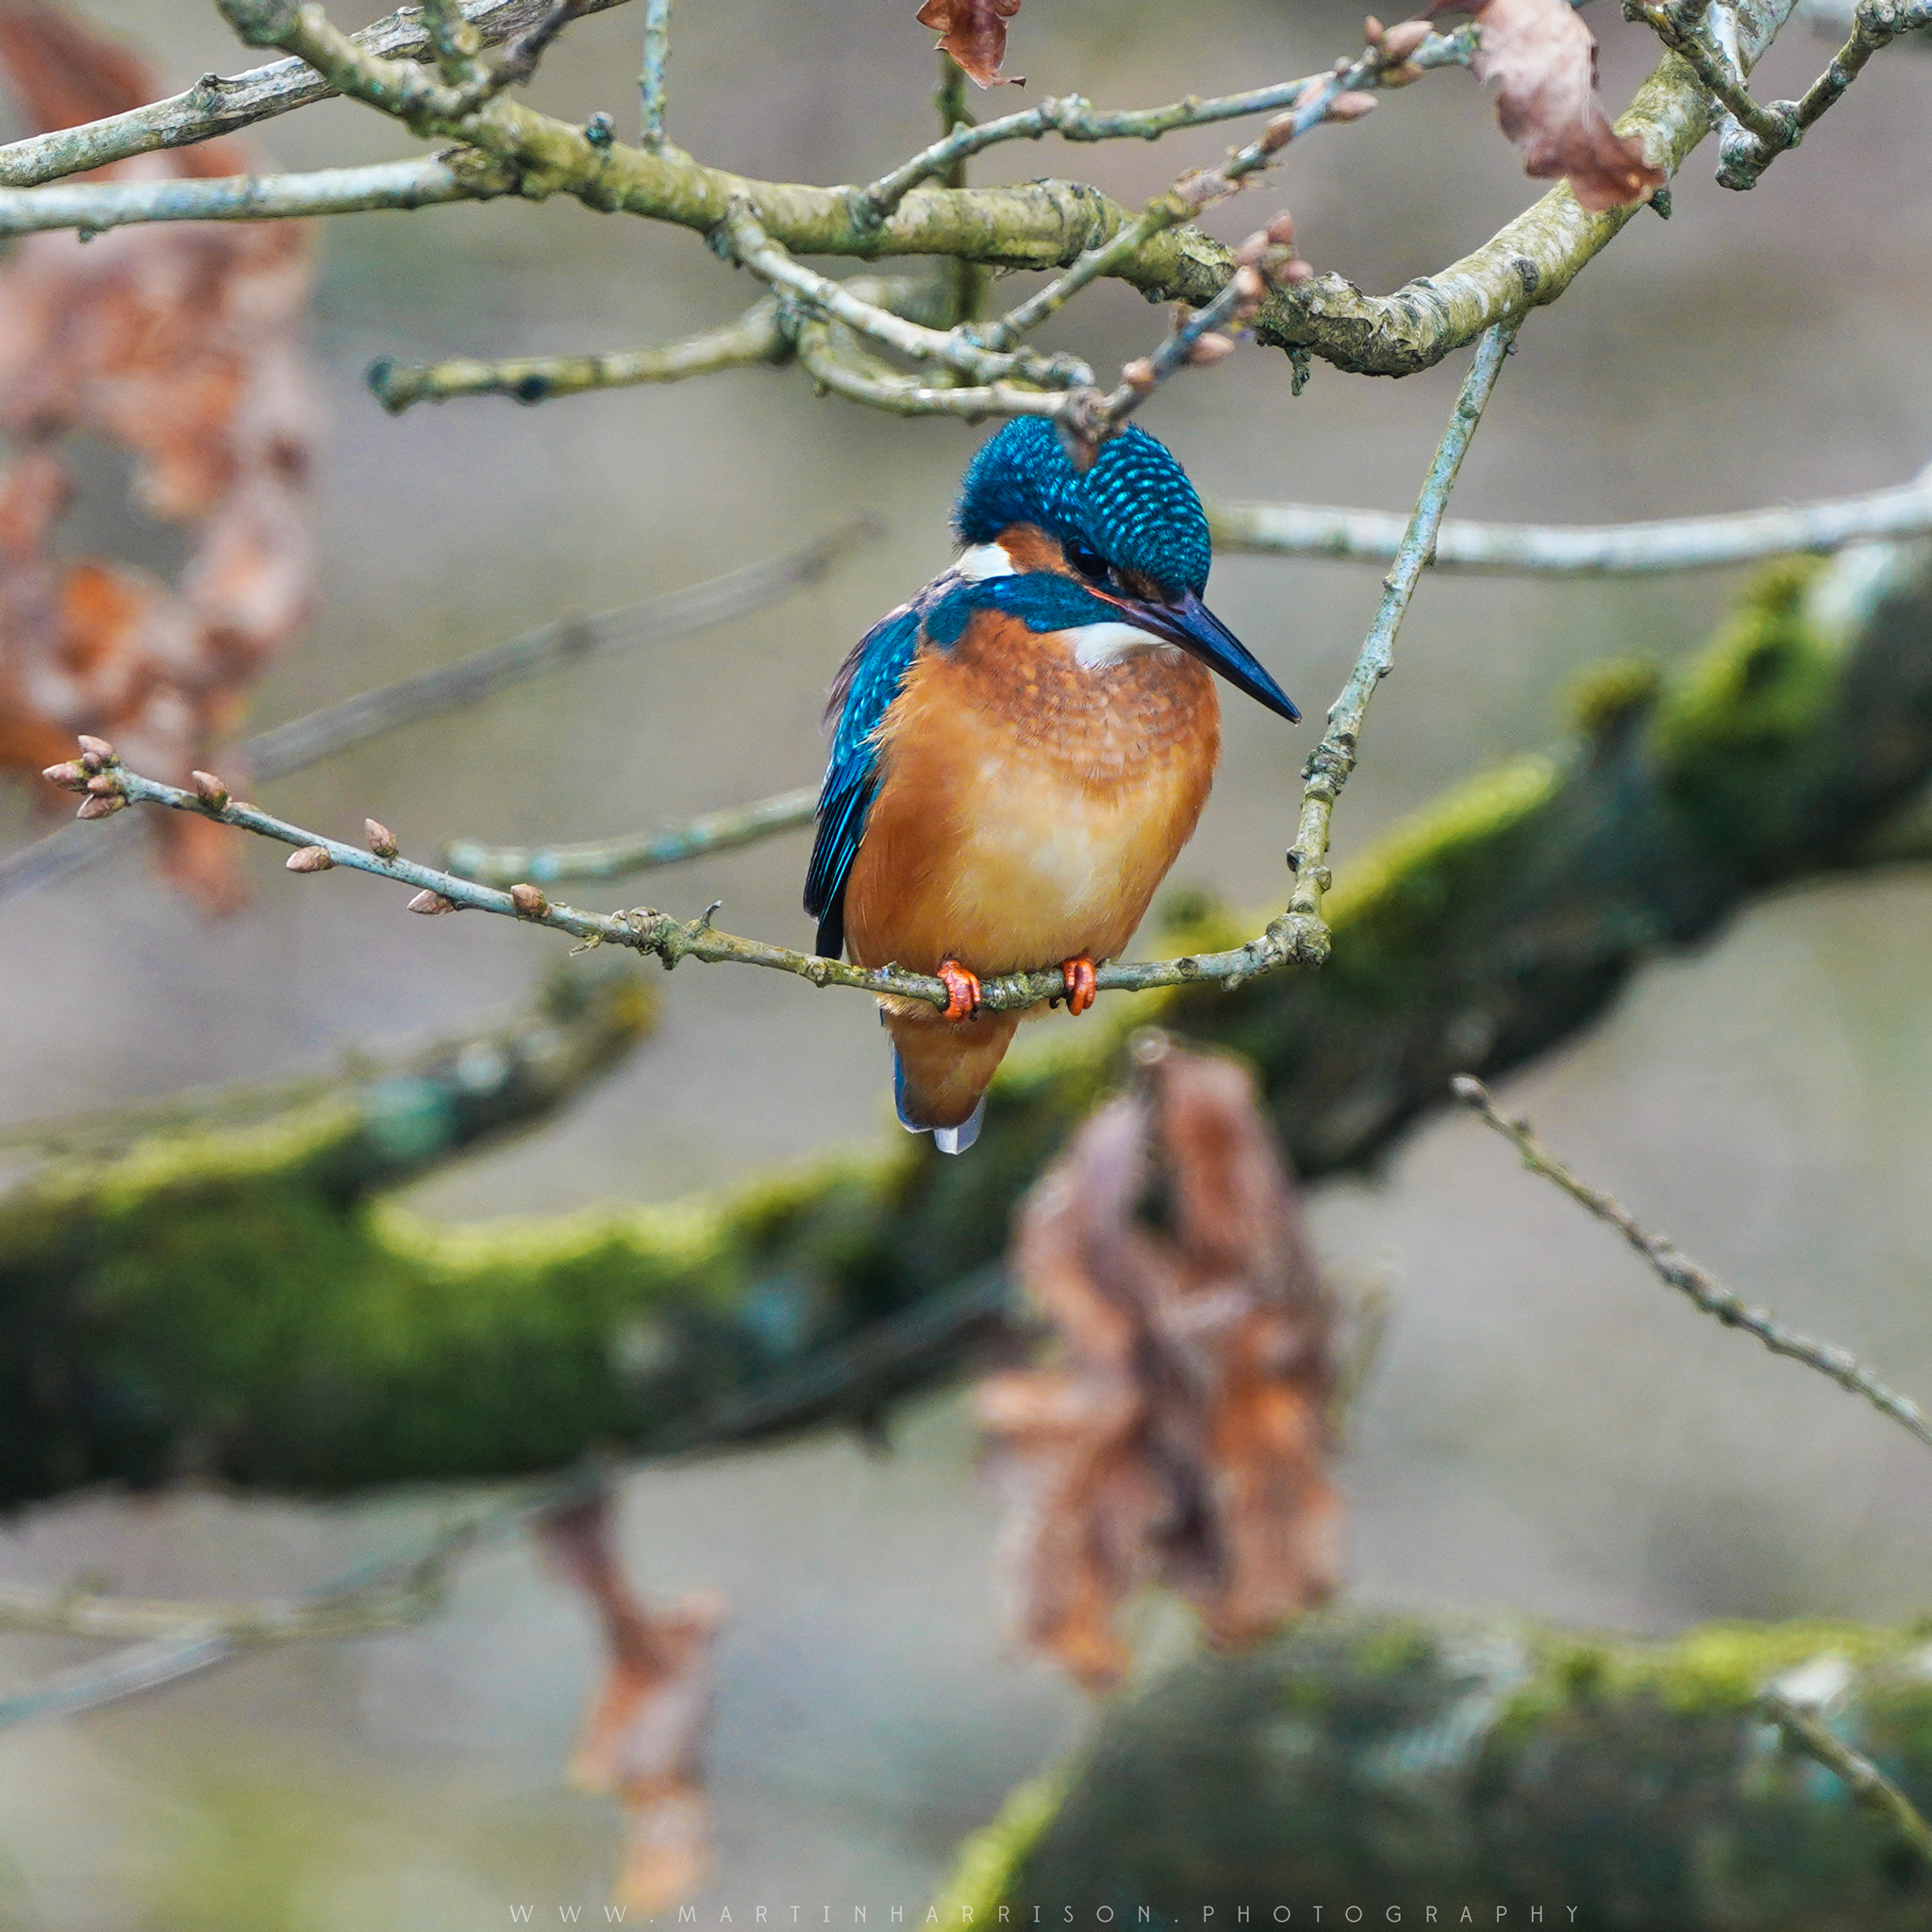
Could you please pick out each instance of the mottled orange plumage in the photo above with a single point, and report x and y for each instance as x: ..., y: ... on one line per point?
x: 1028, y: 807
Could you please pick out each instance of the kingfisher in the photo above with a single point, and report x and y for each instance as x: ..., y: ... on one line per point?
x: 1020, y: 752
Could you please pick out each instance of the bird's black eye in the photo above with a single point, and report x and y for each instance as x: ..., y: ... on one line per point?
x: 1087, y: 561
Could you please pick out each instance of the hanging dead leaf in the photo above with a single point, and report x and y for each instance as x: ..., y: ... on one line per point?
x: 642, y: 1737
x: 179, y: 344
x: 1540, y: 61
x: 974, y: 32
x: 1181, y: 1434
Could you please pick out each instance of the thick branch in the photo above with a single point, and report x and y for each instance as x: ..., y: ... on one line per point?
x: 1040, y: 224
x: 1513, y: 1772
x: 1707, y: 543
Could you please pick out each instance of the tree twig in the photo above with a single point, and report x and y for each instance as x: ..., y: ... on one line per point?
x: 616, y: 858
x: 1074, y: 118
x: 1329, y: 767
x: 1704, y: 542
x: 1868, y: 1785
x: 1678, y: 1270
x: 757, y: 336
x: 651, y: 74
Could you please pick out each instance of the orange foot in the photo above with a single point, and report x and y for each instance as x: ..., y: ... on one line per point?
x: 1078, y: 974
x: 963, y: 991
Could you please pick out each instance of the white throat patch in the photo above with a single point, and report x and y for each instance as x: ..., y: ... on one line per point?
x: 1099, y: 645
x: 984, y: 561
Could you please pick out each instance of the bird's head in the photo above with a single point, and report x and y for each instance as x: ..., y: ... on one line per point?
x: 1129, y: 526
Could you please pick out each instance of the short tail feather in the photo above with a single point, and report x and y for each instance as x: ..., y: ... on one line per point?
x: 941, y: 1073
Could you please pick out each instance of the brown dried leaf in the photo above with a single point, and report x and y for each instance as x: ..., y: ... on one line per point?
x: 642, y: 1736
x: 1181, y: 1433
x: 177, y: 343
x: 974, y: 32
x: 1541, y: 60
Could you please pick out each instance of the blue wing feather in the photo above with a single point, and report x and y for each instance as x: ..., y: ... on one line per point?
x: 866, y: 687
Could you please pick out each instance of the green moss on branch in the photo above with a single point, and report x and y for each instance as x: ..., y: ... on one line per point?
x: 1388, y: 1762
x: 250, y: 1303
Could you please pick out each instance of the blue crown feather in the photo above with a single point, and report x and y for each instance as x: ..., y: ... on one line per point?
x: 1133, y: 502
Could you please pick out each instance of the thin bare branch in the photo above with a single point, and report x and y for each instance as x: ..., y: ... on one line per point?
x: 742, y: 240
x: 1328, y: 769
x: 1804, y: 1733
x: 830, y: 355
x: 755, y: 337
x: 1074, y: 118
x: 616, y: 858
x: 1707, y: 543
x: 643, y: 929
x: 1340, y: 94
x: 93, y: 206
x: 215, y: 106
x: 651, y: 74
x: 1677, y: 1269
x: 1705, y: 37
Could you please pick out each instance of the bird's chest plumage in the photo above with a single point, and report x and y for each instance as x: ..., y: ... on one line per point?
x: 1030, y: 804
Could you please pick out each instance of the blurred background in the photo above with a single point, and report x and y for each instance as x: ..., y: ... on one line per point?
x: 1546, y: 1429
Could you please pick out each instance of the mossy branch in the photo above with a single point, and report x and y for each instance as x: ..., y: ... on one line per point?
x: 1490, y: 1765
x: 250, y: 1302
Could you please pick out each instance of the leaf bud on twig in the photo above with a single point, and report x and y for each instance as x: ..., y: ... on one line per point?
x: 382, y: 841
x: 1373, y: 31
x: 102, y: 808
x: 1402, y: 40
x: 1250, y: 287
x: 529, y: 902
x: 97, y: 748
x: 209, y: 790
x: 72, y: 776
x: 1351, y: 106
x: 104, y: 785
x: 310, y: 859
x: 1138, y: 375
x: 1213, y: 348
x: 431, y: 903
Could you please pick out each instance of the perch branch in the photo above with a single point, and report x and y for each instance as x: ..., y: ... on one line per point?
x: 615, y: 858
x: 1868, y: 1785
x: 1705, y: 542
x: 1675, y: 1270
x: 1328, y: 769
x: 657, y: 934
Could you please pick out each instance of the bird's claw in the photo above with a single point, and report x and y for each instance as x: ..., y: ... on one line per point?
x: 963, y: 991
x: 1078, y: 975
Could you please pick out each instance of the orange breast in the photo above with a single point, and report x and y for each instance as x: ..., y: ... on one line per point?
x: 1028, y: 807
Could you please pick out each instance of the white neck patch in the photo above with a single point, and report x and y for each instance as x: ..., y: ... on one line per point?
x: 984, y: 561
x: 1099, y: 645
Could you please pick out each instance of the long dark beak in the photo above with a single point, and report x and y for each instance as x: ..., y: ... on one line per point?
x: 1189, y: 623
